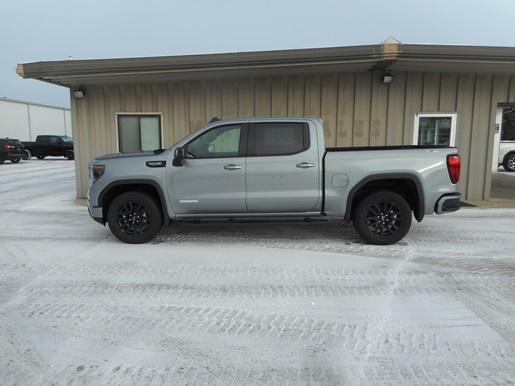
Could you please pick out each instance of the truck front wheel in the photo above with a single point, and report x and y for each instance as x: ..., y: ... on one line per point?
x: 134, y: 217
x: 382, y: 218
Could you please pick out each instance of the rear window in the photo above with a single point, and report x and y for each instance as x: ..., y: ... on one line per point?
x: 277, y: 138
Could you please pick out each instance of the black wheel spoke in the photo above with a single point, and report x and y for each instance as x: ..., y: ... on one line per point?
x: 383, y: 218
x: 132, y: 218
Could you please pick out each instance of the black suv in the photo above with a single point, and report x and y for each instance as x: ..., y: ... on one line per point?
x: 12, y: 150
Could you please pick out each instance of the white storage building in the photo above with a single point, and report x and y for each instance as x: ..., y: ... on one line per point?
x: 26, y: 120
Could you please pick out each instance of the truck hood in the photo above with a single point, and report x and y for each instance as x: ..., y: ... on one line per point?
x: 128, y: 155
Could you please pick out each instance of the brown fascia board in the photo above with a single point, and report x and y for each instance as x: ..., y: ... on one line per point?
x: 52, y: 70
x: 70, y: 72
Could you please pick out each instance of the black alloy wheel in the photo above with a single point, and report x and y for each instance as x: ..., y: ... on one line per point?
x: 509, y: 163
x: 134, y: 217
x: 382, y: 218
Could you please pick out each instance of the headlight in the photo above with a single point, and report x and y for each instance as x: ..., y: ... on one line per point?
x: 97, y: 171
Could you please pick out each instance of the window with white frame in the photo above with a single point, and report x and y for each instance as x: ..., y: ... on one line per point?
x: 139, y: 132
x: 435, y: 129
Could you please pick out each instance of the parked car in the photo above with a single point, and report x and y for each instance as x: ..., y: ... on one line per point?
x: 507, y: 155
x: 11, y: 149
x: 50, y: 145
x: 272, y: 167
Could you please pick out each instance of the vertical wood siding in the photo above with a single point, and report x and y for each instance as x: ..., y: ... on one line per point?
x: 357, y: 109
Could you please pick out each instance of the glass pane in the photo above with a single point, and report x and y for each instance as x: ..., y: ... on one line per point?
x: 150, y: 133
x: 217, y: 143
x: 508, y: 124
x: 276, y: 138
x: 434, y: 131
x: 128, y: 134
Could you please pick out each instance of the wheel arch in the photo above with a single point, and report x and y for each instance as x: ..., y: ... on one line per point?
x: 403, y: 183
x: 115, y: 188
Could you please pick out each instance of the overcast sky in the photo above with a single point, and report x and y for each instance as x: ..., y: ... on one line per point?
x: 33, y: 30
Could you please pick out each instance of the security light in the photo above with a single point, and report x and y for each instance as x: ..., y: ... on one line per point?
x: 387, y: 77
x: 79, y: 93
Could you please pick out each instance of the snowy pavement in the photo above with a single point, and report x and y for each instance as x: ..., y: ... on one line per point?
x: 252, y: 303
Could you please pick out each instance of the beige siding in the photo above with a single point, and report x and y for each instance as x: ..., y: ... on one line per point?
x: 357, y: 109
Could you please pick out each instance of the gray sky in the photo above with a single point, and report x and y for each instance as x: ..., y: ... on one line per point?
x: 33, y: 30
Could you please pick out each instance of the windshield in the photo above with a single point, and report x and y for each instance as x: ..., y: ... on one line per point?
x: 67, y: 139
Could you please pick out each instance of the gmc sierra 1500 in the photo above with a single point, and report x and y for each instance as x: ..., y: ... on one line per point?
x: 272, y: 167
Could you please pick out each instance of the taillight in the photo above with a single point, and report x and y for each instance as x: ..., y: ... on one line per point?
x: 454, y: 166
x: 8, y: 147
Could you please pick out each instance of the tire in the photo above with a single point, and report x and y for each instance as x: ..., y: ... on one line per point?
x: 27, y: 155
x: 382, y: 218
x: 40, y: 156
x: 1, y: 161
x: 509, y: 163
x: 134, y: 204
x: 69, y: 155
x: 15, y: 160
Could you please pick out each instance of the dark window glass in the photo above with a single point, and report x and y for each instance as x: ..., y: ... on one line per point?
x: 278, y: 138
x: 139, y: 133
x: 508, y: 124
x: 221, y: 142
x: 434, y: 131
x: 44, y: 140
x: 54, y: 141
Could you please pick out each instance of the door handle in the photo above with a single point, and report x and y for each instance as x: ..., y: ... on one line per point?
x: 232, y: 167
x: 305, y: 165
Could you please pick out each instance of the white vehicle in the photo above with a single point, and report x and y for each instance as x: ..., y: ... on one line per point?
x: 507, y: 155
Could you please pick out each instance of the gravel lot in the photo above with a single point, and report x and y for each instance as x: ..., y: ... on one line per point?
x: 233, y: 303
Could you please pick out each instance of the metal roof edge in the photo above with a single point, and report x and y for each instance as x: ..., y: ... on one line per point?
x: 5, y: 99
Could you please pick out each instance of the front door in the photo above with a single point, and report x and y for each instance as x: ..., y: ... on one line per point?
x: 283, y: 168
x: 212, y: 178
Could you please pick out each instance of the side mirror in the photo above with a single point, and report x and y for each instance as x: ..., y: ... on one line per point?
x: 178, y: 156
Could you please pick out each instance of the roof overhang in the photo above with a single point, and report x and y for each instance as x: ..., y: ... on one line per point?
x: 388, y: 55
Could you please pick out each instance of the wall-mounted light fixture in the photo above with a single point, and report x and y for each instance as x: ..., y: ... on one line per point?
x: 387, y: 77
x: 79, y: 93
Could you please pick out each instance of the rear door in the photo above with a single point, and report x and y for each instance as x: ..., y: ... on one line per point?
x: 212, y: 178
x: 283, y: 168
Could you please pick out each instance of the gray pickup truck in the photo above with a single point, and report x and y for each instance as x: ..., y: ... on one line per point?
x: 272, y: 167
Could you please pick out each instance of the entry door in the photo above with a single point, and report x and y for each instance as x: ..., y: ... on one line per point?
x: 212, y: 178
x: 282, y: 168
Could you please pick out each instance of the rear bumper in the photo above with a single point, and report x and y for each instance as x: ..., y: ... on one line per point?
x: 448, y: 203
x: 14, y: 155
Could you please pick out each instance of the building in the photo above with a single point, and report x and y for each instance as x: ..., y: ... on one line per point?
x: 385, y: 94
x: 26, y: 120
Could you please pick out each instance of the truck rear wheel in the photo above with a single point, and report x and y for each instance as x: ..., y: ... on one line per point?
x: 382, y: 218
x: 509, y: 163
x: 134, y: 217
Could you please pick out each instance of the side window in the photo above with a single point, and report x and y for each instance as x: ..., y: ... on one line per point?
x: 220, y: 142
x: 435, y: 129
x: 43, y: 140
x: 138, y: 133
x: 53, y: 140
x: 281, y: 138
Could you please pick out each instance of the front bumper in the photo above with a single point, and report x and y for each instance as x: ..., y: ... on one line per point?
x: 448, y: 203
x: 96, y: 213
